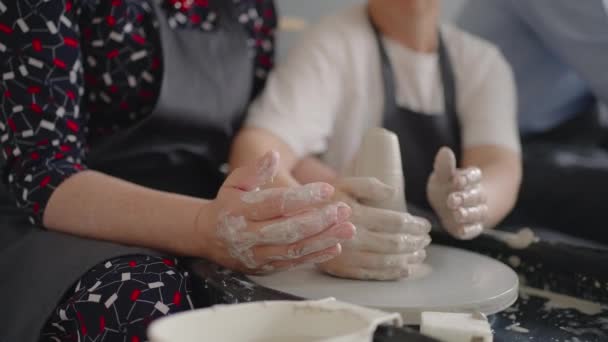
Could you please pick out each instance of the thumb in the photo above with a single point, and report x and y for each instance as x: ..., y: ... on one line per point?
x: 366, y: 188
x: 445, y: 164
x: 254, y: 175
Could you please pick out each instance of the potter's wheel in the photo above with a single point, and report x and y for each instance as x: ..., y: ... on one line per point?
x: 452, y: 279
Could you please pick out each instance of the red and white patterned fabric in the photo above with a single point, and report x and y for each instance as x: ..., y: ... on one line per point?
x: 117, y: 300
x: 74, y: 71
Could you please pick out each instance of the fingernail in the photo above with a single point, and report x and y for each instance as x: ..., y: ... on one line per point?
x: 344, y: 211
x: 325, y: 190
x: 345, y: 231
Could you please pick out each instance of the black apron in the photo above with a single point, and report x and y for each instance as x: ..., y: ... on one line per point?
x: 420, y: 135
x: 206, y: 86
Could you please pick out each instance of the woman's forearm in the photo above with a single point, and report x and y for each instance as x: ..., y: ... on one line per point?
x: 502, y: 172
x: 311, y: 169
x: 94, y: 205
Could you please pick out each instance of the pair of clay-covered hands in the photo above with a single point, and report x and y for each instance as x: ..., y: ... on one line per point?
x: 389, y: 244
x: 272, y: 229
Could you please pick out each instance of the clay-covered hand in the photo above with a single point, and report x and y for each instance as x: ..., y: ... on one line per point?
x: 457, y: 196
x: 387, y: 245
x: 262, y: 231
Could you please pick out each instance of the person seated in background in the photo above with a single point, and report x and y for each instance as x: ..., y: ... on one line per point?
x: 390, y: 63
x: 558, y: 50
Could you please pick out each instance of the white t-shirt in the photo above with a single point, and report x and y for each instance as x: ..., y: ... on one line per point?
x: 329, y: 91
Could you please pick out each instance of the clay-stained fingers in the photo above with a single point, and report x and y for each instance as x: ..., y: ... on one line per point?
x: 466, y: 232
x: 471, y: 215
x: 389, y: 221
x: 256, y: 174
x: 466, y: 178
x: 288, y: 230
x: 276, y: 202
x: 388, y: 243
x: 471, y: 231
x: 378, y: 261
x: 340, y: 271
x: 365, y: 188
x: 466, y: 198
x: 329, y: 238
x: 313, y: 258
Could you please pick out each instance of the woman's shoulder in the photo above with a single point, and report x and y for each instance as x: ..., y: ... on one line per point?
x: 472, y: 55
x: 347, y: 24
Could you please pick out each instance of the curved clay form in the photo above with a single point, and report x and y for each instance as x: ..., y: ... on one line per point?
x: 379, y: 156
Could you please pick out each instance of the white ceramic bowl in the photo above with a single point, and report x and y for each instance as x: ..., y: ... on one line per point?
x: 324, y: 320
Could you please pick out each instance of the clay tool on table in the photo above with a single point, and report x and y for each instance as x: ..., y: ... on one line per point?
x: 519, y: 240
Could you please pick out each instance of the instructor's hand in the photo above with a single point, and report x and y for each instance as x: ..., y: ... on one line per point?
x: 262, y: 231
x: 457, y: 196
x: 387, y: 244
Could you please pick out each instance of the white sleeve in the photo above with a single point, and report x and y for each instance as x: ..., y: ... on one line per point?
x: 488, y: 104
x: 302, y: 95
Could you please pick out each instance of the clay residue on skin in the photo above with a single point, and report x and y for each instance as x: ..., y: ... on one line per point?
x: 233, y: 231
x: 316, y: 246
x: 267, y: 168
x: 294, y: 229
x: 560, y: 301
x: 309, y: 193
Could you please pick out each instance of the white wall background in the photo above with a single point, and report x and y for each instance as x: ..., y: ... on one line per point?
x: 311, y: 10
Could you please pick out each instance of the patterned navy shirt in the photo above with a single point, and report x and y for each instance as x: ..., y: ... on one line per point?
x: 74, y: 71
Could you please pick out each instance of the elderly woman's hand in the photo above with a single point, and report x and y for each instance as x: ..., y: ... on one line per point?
x: 262, y: 231
x: 388, y: 243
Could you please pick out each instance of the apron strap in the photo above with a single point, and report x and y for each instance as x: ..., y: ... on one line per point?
x: 390, y: 102
x: 447, y: 79
x: 449, y: 93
